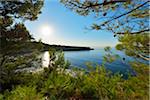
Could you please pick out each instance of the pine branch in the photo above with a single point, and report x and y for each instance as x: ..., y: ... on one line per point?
x: 127, y: 12
x: 82, y: 6
x: 143, y: 57
x: 146, y: 30
x: 105, y: 3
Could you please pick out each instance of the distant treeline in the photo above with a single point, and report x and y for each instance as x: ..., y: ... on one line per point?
x: 63, y: 48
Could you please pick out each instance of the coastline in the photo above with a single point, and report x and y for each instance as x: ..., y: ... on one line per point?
x: 63, y: 47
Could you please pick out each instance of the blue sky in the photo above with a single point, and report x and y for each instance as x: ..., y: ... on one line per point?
x: 68, y: 28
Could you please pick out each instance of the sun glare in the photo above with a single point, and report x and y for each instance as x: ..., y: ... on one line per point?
x: 46, y: 30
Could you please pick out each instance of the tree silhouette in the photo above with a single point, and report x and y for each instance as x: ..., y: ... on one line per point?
x: 13, y: 37
x: 12, y: 12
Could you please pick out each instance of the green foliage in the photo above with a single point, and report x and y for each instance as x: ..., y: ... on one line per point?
x: 57, y: 85
x: 137, y: 87
x: 135, y: 45
x: 21, y: 9
x: 97, y: 84
x: 11, y: 68
x: 110, y: 56
x: 24, y: 93
x: 126, y: 19
x: 55, y: 82
x: 10, y: 29
x: 14, y: 35
x: 1, y: 97
x: 57, y: 59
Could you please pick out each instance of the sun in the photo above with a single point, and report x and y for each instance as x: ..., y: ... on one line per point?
x: 46, y: 30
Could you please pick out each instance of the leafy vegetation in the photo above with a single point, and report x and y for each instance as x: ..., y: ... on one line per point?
x: 55, y: 82
x: 99, y: 83
x: 128, y: 20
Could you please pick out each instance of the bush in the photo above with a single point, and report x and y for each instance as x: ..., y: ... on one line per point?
x: 24, y: 93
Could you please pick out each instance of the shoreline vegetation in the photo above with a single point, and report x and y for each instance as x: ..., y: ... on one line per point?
x: 40, y: 46
x: 64, y: 47
x: 32, y: 46
x: 127, y: 20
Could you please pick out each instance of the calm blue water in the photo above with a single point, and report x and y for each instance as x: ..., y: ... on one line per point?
x: 80, y: 58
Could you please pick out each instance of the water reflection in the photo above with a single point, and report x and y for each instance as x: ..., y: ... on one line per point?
x: 45, y: 59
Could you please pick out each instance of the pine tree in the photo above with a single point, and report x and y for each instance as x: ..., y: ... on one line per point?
x: 128, y: 20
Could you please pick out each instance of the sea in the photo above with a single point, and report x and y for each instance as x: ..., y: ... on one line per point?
x: 79, y: 59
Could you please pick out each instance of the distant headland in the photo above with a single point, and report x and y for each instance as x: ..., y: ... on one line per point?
x: 28, y: 47
x: 64, y: 48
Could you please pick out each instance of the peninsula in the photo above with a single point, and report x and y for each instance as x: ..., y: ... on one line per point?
x: 65, y: 48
